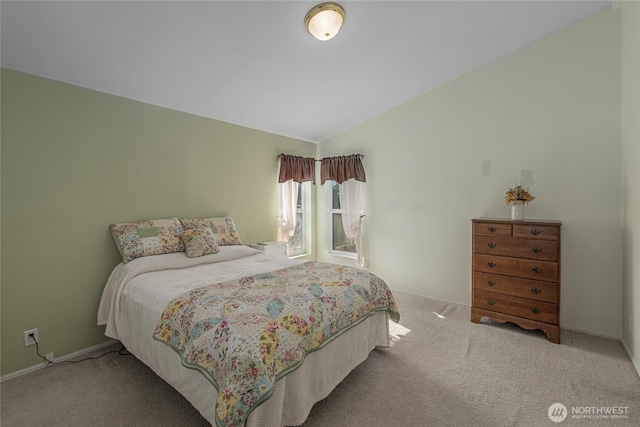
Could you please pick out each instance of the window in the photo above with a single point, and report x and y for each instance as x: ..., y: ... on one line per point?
x: 339, y: 242
x: 294, y: 220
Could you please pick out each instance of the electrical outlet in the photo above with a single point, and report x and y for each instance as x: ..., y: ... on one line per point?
x: 28, y: 340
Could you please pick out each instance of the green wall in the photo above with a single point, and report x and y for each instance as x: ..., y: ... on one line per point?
x: 631, y: 179
x: 76, y: 160
x: 549, y: 112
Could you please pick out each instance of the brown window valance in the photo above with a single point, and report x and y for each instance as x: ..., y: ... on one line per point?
x: 299, y: 169
x: 342, y: 168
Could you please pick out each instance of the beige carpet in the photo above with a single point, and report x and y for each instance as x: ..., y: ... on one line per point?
x: 442, y: 370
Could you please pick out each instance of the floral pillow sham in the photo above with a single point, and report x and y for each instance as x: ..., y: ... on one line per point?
x: 223, y: 229
x: 148, y: 237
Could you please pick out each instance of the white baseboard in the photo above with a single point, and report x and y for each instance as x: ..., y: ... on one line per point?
x: 634, y: 362
x: 431, y: 298
x: 60, y: 359
x: 587, y: 332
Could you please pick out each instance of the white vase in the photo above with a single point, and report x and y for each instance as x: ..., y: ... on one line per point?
x: 517, y: 210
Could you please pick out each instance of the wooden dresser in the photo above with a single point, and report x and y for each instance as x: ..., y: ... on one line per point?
x: 516, y: 273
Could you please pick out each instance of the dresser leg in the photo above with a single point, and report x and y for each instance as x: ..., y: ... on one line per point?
x: 553, y: 334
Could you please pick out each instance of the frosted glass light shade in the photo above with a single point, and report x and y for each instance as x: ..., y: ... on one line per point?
x: 324, y: 21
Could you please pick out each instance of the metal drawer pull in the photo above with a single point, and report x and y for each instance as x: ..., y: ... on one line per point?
x: 536, y: 269
x: 491, y: 283
x: 490, y: 302
x: 491, y: 245
x: 491, y: 264
x: 492, y: 229
x: 535, y: 311
x: 535, y: 290
x: 536, y: 250
x: 535, y: 231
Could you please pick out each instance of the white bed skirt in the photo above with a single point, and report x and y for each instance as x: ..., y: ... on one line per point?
x: 295, y: 394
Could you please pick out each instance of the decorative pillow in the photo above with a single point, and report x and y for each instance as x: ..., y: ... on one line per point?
x: 148, y: 237
x: 200, y: 242
x: 223, y: 229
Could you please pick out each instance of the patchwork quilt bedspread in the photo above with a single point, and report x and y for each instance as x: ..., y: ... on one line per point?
x: 245, y: 334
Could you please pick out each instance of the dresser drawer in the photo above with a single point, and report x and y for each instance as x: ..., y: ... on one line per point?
x: 532, y: 289
x: 546, y: 271
x: 521, y: 248
x: 542, y: 232
x: 491, y: 229
x: 521, y: 307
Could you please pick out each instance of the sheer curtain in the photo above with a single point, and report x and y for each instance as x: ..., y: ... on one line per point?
x: 291, y: 171
x: 286, y: 220
x: 348, y: 172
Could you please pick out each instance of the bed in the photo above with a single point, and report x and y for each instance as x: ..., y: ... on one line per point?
x: 144, y: 307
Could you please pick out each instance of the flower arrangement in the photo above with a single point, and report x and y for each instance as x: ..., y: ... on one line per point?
x: 518, y: 193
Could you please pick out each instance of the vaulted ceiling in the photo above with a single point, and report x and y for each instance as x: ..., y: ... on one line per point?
x: 252, y: 63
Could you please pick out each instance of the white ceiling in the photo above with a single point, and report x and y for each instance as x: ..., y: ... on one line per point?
x: 253, y: 64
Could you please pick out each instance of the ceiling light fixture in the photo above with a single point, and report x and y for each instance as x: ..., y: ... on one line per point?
x: 324, y: 20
